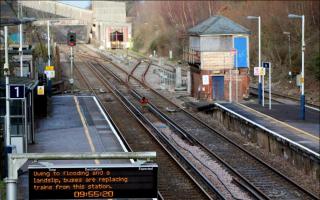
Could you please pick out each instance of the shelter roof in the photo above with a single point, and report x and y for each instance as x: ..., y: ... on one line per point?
x: 218, y: 25
x: 29, y: 83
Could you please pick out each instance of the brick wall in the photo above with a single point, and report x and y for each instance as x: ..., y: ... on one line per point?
x: 205, y: 91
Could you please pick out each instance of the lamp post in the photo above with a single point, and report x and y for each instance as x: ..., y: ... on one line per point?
x: 6, y: 74
x: 303, y: 46
x: 48, y: 39
x: 49, y: 60
x: 21, y: 38
x: 259, y: 33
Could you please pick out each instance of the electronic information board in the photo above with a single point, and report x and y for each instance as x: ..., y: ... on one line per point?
x: 93, y: 182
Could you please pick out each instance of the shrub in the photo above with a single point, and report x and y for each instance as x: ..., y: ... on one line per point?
x: 315, y: 66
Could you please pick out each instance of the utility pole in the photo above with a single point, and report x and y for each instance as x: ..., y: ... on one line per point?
x: 21, y: 38
x: 71, y: 68
x: 289, y: 41
x: 237, y: 76
x: 260, y: 85
x: 49, y: 56
x: 289, y: 50
x: 48, y: 31
x: 270, y: 87
x: 6, y: 74
x: 72, y: 40
x: 302, y: 73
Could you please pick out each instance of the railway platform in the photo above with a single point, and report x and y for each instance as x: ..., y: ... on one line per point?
x: 277, y: 132
x: 283, y: 120
x: 290, y: 114
x: 280, y: 122
x: 74, y: 124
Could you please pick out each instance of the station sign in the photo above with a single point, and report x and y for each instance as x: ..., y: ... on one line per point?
x: 301, y: 80
x: 17, y: 91
x: 49, y: 68
x: 93, y: 182
x: 49, y: 71
x: 50, y: 74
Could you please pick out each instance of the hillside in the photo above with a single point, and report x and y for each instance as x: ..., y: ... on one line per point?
x: 163, y: 25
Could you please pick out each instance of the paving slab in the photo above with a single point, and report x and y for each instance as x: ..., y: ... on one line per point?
x: 63, y: 130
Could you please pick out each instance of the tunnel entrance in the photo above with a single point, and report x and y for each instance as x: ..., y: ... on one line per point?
x: 116, y: 39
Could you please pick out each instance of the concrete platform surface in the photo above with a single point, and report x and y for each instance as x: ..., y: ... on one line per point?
x: 290, y: 114
x: 74, y: 124
x: 278, y: 126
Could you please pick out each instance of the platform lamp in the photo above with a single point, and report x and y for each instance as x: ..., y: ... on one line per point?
x: 259, y: 51
x: 11, y: 187
x: 303, y: 46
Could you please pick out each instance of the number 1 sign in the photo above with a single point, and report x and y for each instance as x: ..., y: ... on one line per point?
x: 17, y: 91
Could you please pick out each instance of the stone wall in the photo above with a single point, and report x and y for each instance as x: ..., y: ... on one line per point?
x: 292, y: 155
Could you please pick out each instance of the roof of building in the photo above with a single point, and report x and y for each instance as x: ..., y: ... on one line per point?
x: 218, y: 25
x: 29, y: 83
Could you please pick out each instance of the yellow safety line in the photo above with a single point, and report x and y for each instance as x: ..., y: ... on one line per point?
x: 85, y: 127
x: 283, y: 123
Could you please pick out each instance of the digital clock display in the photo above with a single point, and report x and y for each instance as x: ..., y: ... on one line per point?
x: 93, y: 194
x: 93, y: 182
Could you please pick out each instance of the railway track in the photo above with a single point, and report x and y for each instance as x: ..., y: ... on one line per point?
x: 134, y: 104
x: 272, y: 183
x: 182, y: 186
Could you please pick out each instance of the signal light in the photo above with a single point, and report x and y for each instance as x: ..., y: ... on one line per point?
x: 72, y: 39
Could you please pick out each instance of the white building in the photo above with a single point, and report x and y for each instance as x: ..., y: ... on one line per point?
x: 110, y: 27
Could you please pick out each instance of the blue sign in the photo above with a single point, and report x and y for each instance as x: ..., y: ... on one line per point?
x: 241, y: 59
x: 15, y: 37
x: 17, y: 91
x: 266, y: 65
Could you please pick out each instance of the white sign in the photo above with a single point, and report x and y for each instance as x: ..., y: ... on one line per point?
x: 50, y: 73
x: 298, y: 80
x: 259, y: 71
x: 205, y: 79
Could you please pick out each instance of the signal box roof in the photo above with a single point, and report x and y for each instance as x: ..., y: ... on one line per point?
x: 218, y: 25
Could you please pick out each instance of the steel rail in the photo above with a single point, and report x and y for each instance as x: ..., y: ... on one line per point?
x: 247, y: 185
x: 235, y: 144
x: 226, y: 138
x: 111, y: 120
x: 163, y: 138
x: 241, y: 148
x: 117, y: 95
x: 145, y: 72
x: 229, y: 140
